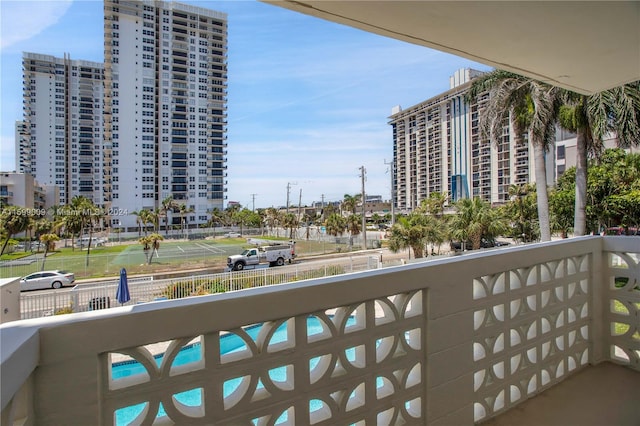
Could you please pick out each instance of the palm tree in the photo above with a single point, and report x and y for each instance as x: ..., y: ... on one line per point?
x: 150, y: 244
x: 354, y: 226
x: 435, y: 203
x: 49, y: 244
x: 91, y: 216
x: 475, y: 221
x: 271, y: 218
x: 167, y: 205
x: 215, y: 217
x: 145, y: 217
x: 532, y: 107
x: 184, y: 211
x: 350, y: 203
x: 405, y: 233
x: 138, y: 215
x: 591, y: 117
x: 13, y: 220
x: 290, y: 221
x: 335, y: 224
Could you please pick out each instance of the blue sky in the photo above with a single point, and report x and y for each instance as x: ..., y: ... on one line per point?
x: 309, y: 100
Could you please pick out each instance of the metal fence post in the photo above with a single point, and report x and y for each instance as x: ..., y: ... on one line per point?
x: 75, y: 299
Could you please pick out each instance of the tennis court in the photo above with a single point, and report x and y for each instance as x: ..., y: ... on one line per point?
x: 178, y: 251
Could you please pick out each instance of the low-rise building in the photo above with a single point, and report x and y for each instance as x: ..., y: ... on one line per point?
x: 22, y: 189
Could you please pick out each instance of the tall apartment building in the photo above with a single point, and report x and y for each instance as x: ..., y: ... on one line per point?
x: 165, y: 108
x: 437, y: 147
x: 60, y: 140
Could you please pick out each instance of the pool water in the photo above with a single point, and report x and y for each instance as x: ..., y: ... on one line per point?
x: 192, y: 353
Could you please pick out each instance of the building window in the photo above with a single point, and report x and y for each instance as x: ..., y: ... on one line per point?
x: 561, y: 152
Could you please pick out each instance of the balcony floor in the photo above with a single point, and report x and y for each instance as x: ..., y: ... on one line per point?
x: 602, y: 395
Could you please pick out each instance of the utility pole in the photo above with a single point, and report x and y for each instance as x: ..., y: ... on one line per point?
x: 288, y: 189
x: 299, y: 204
x: 391, y: 165
x: 364, y: 219
x: 253, y: 200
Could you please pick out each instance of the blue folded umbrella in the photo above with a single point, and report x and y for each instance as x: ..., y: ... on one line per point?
x: 122, y: 294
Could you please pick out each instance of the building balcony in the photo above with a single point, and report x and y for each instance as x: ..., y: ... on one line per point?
x: 548, y: 329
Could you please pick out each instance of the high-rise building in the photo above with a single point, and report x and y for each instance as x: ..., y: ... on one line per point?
x: 60, y: 140
x: 165, y: 108
x: 438, y: 147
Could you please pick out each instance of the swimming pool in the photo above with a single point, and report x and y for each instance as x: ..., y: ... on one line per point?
x: 193, y: 353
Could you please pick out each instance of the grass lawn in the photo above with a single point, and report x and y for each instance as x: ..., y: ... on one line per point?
x: 13, y: 256
x: 172, y: 255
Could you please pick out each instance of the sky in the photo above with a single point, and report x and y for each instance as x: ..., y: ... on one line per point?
x: 308, y: 100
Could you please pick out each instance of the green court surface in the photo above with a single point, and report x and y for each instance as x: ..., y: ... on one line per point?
x: 170, y: 256
x: 178, y: 252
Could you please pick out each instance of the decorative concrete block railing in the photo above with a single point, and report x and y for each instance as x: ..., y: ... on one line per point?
x: 451, y: 341
x: 621, y: 283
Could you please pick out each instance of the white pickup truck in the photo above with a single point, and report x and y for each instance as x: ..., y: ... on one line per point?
x: 275, y: 255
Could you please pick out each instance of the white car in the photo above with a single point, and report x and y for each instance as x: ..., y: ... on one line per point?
x: 232, y: 235
x: 46, y: 279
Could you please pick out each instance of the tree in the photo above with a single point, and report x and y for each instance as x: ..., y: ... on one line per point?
x: 405, y: 233
x: 167, y: 205
x: 591, y: 117
x: 611, y: 186
x: 434, y: 204
x: 354, y: 226
x: 271, y: 218
x: 184, y: 211
x: 138, y: 215
x: 335, y: 224
x: 532, y: 107
x: 89, y: 215
x: 290, y: 222
x: 350, y: 203
x: 145, y: 217
x: 150, y: 244
x: 215, y: 218
x: 49, y: 244
x: 562, y: 203
x: 13, y: 220
x: 475, y: 220
x: 521, y: 210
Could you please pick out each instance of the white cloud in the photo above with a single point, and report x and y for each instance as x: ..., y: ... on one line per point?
x: 22, y: 20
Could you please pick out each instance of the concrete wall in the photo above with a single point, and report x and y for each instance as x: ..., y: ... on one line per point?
x: 9, y: 299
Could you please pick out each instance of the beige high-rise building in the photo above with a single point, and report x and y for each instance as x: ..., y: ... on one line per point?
x: 438, y: 147
x: 165, y: 108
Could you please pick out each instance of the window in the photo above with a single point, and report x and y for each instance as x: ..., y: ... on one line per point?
x: 561, y: 152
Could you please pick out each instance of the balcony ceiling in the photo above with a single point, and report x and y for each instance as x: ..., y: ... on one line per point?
x: 583, y: 46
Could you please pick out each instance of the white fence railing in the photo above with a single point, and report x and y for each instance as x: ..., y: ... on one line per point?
x: 452, y: 341
x: 101, y: 295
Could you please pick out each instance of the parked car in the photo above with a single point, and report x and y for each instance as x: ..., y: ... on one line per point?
x: 619, y: 230
x: 232, y: 235
x: 484, y: 243
x: 46, y: 279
